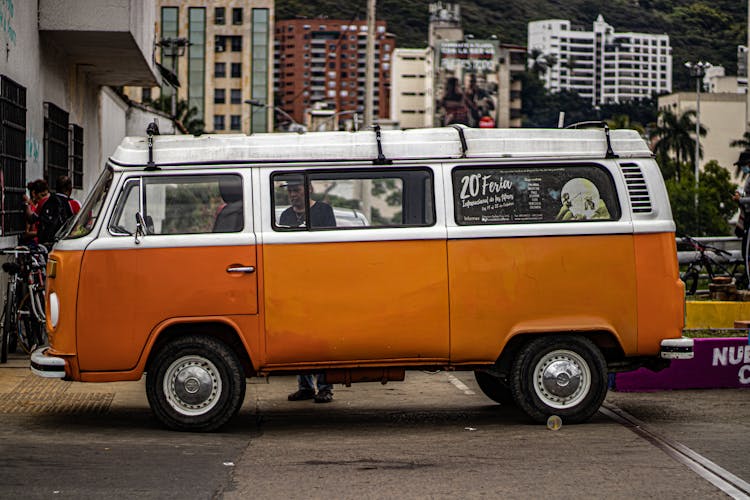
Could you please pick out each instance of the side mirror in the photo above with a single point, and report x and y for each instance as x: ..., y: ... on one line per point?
x: 140, y: 228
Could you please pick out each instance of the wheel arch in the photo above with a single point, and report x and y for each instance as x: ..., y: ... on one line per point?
x: 605, y: 340
x: 227, y: 333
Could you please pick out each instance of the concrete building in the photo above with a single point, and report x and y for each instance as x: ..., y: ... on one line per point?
x: 411, y: 104
x: 323, y: 61
x: 419, y: 75
x: 222, y: 56
x: 601, y: 65
x: 723, y: 117
x: 59, y: 115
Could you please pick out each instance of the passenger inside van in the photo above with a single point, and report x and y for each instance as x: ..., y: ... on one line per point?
x: 321, y: 214
x: 229, y: 219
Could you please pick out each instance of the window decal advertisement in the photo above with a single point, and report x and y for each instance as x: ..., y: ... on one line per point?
x: 519, y: 195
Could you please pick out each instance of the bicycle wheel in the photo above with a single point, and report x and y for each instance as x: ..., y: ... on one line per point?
x: 9, y: 330
x: 690, y: 278
x: 29, y: 333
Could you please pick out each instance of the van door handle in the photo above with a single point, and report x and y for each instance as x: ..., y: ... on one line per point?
x: 241, y: 269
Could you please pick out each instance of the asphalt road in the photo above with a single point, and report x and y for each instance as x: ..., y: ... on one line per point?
x: 434, y: 435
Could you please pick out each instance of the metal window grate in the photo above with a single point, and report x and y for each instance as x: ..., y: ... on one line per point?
x: 76, y: 155
x: 12, y: 155
x: 640, y: 200
x: 55, y: 143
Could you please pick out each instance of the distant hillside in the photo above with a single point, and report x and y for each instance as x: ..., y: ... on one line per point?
x: 702, y: 30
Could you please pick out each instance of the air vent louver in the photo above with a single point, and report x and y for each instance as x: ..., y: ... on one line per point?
x: 637, y: 188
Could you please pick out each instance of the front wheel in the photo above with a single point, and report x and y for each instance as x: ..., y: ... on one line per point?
x: 195, y: 383
x: 31, y: 333
x: 559, y: 375
x: 9, y: 324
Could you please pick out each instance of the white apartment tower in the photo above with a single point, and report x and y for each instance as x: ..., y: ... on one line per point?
x: 601, y: 65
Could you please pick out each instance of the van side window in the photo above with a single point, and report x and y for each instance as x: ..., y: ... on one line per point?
x: 185, y: 204
x: 516, y: 194
x: 123, y: 219
x: 353, y: 199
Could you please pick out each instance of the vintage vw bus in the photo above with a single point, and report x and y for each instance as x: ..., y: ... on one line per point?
x: 539, y: 259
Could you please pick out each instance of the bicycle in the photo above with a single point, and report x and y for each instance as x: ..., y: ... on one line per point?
x: 715, y: 261
x: 23, y: 317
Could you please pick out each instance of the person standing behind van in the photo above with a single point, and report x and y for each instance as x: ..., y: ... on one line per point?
x: 29, y: 236
x: 321, y: 215
x: 65, y: 190
x: 50, y: 213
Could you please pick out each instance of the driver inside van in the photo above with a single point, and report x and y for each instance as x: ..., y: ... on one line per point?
x: 321, y: 214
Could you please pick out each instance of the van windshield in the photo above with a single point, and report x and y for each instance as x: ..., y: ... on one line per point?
x: 84, y: 222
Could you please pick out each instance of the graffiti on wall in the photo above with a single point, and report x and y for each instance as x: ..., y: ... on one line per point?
x: 6, y: 20
x: 33, y: 148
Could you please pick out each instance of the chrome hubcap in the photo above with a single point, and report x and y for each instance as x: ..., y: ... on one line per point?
x: 192, y: 385
x: 562, y: 379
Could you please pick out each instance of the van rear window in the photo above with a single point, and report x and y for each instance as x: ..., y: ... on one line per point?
x: 533, y: 194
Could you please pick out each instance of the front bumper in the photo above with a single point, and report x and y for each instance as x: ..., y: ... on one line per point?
x: 46, y: 365
x: 681, y: 348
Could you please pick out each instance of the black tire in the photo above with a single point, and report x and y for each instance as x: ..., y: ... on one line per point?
x: 740, y: 281
x: 690, y: 278
x: 210, y: 384
x: 30, y: 334
x: 9, y: 325
x: 559, y: 375
x: 493, y: 387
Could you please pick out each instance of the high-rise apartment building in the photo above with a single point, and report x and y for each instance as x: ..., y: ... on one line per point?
x: 322, y: 62
x: 411, y: 100
x: 601, y: 65
x: 221, y: 53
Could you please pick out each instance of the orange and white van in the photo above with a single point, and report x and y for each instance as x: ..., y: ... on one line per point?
x: 542, y: 260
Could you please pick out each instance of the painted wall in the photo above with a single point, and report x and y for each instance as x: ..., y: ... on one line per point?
x: 49, y: 76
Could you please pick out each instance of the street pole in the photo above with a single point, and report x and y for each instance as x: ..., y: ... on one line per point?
x: 370, y: 65
x: 697, y: 133
x: 698, y: 71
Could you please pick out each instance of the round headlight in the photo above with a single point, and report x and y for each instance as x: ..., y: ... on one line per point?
x: 54, y: 309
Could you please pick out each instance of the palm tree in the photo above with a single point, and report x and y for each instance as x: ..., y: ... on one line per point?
x: 743, y: 143
x: 673, y: 136
x: 623, y: 121
x: 539, y: 63
x: 183, y: 113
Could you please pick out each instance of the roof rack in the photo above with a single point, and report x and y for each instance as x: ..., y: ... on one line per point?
x: 151, y: 130
x: 610, y: 152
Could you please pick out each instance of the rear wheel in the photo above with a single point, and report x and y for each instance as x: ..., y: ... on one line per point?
x: 690, y: 278
x: 195, y: 383
x: 559, y: 375
x: 493, y: 387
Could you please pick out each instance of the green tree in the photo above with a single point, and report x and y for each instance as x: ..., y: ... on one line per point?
x: 674, y: 138
x: 715, y: 203
x: 624, y: 121
x: 743, y: 143
x: 187, y: 116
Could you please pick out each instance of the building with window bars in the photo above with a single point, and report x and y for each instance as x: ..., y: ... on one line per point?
x: 58, y: 112
x: 601, y: 65
x: 321, y: 62
x: 220, y: 53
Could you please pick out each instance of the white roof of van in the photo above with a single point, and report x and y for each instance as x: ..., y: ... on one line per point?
x: 414, y: 144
